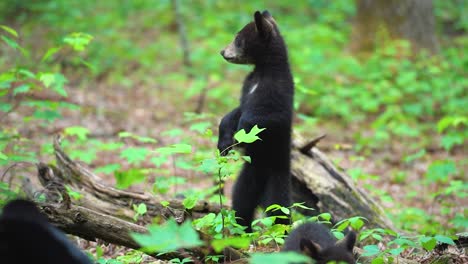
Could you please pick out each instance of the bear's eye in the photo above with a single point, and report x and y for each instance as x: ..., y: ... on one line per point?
x: 238, y: 42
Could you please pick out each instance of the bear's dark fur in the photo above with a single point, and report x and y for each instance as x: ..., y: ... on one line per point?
x: 266, y: 101
x: 316, y: 241
x: 27, y: 237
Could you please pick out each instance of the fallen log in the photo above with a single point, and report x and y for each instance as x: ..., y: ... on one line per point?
x: 117, y: 202
x: 316, y: 181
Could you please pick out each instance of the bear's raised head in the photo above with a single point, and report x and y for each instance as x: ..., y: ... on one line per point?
x: 256, y: 41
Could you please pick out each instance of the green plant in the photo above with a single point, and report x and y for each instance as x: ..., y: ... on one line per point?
x: 140, y: 210
x: 17, y: 81
x: 168, y: 237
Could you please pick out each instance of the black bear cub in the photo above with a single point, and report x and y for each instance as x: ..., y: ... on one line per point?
x: 267, y: 101
x: 316, y: 241
x: 27, y: 237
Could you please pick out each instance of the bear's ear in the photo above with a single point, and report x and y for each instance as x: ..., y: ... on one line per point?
x: 310, y: 248
x: 263, y: 26
x: 266, y: 14
x: 268, y: 17
x: 348, y: 242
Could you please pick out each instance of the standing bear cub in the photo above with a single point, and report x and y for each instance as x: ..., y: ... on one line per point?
x: 266, y: 101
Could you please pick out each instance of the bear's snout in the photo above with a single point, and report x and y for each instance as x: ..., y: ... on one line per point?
x: 222, y: 53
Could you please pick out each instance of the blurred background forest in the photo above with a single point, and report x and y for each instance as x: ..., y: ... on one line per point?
x: 386, y: 81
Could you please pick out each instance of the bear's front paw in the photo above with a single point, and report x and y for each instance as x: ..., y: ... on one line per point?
x: 224, y: 146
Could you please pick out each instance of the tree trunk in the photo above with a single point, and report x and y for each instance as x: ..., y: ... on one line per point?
x: 412, y: 20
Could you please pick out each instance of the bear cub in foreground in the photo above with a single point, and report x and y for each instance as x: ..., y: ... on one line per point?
x: 27, y: 237
x: 316, y: 241
x: 267, y: 101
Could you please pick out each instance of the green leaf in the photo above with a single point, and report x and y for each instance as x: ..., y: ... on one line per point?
x: 285, y: 210
x: 444, y: 239
x: 50, y: 52
x: 80, y: 132
x: 165, y: 203
x: 159, y: 160
x: 339, y: 235
x: 247, y: 158
x: 451, y: 121
x: 302, y: 206
x: 272, y: 208
x: 428, y: 243
x: 452, y: 139
x: 47, y: 79
x: 168, y: 237
x: 440, y: 170
x: 141, y: 209
x: 200, y: 127
x: 127, y: 178
x: 325, y: 216
x: 134, y: 155
x: 13, y: 44
x: 237, y: 242
x: 3, y: 156
x: 73, y: 194
x: 48, y: 115
x: 379, y: 260
x: 139, y: 138
x: 209, y: 166
x: 403, y: 242
x: 415, y: 156
x: 173, y: 132
x: 356, y: 223
x: 108, y: 168
x: 26, y: 73
x: 176, y: 148
x: 24, y: 88
x: 5, y: 107
x: 86, y: 155
x: 370, y: 250
x: 190, y: 202
x: 278, y: 258
x: 396, y: 251
x: 54, y: 81
x: 242, y: 137
x: 9, y: 30
x: 78, y: 40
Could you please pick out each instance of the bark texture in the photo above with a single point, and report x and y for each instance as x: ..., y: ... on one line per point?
x: 412, y: 20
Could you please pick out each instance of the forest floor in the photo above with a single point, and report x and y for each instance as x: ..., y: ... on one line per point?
x: 107, y: 110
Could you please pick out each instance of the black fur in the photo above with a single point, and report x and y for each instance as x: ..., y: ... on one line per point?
x: 266, y: 180
x: 27, y: 237
x: 316, y: 241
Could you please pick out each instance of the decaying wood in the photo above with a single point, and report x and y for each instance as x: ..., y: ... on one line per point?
x: 92, y: 225
x: 318, y: 183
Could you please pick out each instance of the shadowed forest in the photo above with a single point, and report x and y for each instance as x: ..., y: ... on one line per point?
x: 136, y: 91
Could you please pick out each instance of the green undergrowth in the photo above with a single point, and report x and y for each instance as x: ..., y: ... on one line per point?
x: 411, y: 106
